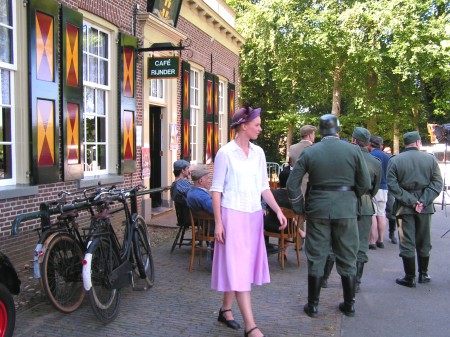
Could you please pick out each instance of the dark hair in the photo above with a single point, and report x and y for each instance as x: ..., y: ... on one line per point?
x: 283, y: 177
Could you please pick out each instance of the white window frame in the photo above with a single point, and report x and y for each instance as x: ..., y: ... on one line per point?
x: 90, y: 170
x: 11, y: 68
x: 195, y: 94
x: 221, y: 112
x: 160, y: 86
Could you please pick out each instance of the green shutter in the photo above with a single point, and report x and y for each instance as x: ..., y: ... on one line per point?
x: 215, y: 144
x: 185, y: 111
x: 43, y: 26
x: 72, y: 93
x: 127, y: 103
x: 209, y: 118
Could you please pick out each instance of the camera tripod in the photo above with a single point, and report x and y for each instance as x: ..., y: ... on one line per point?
x: 444, y: 187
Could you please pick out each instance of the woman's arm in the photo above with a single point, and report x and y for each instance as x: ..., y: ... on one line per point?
x: 219, y: 232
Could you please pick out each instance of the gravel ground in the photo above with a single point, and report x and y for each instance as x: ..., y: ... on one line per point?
x: 31, y: 292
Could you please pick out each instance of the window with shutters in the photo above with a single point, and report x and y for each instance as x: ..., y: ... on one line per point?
x: 97, y: 87
x: 195, y: 117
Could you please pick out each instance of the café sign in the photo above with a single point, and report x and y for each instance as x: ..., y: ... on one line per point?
x: 163, y: 67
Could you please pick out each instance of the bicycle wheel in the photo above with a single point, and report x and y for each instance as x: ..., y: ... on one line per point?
x: 7, y: 312
x: 143, y: 254
x: 99, y: 261
x: 61, y: 273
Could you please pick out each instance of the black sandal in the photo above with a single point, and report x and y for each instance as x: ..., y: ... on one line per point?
x: 246, y: 333
x: 229, y: 323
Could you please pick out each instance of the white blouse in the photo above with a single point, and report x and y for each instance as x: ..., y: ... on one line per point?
x: 239, y: 178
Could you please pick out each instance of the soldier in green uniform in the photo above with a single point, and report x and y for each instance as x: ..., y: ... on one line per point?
x: 361, y: 137
x: 414, y: 179
x: 338, y: 176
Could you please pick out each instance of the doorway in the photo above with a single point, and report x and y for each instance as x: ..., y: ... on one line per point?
x: 155, y: 154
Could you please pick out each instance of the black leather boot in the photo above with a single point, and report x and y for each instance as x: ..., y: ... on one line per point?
x: 409, y: 280
x: 359, y: 273
x: 327, y: 271
x: 348, y: 287
x: 422, y: 261
x: 314, y: 284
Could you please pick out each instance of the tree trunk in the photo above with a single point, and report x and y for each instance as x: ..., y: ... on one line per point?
x: 396, y: 137
x: 290, y: 133
x: 337, y: 78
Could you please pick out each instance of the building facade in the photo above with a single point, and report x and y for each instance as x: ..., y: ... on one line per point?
x: 78, y: 106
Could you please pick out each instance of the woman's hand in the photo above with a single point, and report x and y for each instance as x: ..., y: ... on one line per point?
x: 219, y: 233
x: 282, y: 219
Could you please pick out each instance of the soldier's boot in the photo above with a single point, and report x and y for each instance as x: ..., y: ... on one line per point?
x: 348, y: 287
x: 409, y: 280
x: 422, y: 262
x: 359, y: 273
x: 327, y: 271
x: 392, y: 226
x: 314, y: 285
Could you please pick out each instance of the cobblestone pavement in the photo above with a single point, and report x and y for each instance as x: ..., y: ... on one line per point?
x: 181, y: 303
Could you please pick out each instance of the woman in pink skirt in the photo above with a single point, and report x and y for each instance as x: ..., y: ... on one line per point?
x: 240, y: 258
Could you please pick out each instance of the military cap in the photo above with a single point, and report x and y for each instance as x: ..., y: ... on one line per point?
x: 306, y: 130
x: 197, y: 174
x: 180, y: 164
x: 361, y: 134
x: 376, y: 141
x: 411, y: 137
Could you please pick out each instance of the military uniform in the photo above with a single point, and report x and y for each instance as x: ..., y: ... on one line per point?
x: 338, y: 175
x: 414, y: 176
x: 366, y: 209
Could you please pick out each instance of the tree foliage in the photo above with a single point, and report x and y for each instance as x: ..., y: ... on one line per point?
x: 382, y: 64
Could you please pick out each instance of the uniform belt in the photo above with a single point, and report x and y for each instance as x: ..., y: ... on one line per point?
x: 332, y: 188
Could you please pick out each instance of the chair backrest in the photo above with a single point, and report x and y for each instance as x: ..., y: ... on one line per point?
x: 202, y: 226
x: 293, y: 220
x: 182, y: 212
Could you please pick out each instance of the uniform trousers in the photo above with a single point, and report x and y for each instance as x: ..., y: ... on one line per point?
x: 343, y: 235
x: 364, y: 227
x: 415, y: 234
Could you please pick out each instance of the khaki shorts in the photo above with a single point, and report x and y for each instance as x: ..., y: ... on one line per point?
x: 379, y: 202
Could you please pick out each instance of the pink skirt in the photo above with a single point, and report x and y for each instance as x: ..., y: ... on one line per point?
x: 242, y: 260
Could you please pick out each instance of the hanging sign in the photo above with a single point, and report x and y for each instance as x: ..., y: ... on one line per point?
x: 163, y: 67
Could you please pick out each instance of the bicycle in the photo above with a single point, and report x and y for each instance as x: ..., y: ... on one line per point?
x: 60, y: 250
x: 109, y: 265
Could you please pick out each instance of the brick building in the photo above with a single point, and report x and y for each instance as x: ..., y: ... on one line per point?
x: 78, y: 107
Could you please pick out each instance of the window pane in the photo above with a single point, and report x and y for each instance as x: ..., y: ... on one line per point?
x: 93, y: 70
x: 5, y: 125
x: 5, y: 45
x: 85, y: 39
x: 103, y: 72
x: 90, y: 100
x: 90, y: 128
x: 103, y: 45
x: 91, y: 155
x: 101, y: 129
x: 5, y: 162
x: 5, y: 12
x: 101, y: 153
x: 6, y: 85
x: 93, y: 41
x: 85, y: 67
x: 101, y: 102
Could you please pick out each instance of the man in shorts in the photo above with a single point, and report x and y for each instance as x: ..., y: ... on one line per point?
x: 380, y: 199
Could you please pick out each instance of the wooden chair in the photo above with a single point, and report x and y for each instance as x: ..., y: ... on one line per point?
x: 289, y: 237
x: 184, y: 222
x: 202, y: 224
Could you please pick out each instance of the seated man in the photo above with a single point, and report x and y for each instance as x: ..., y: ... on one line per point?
x: 181, y: 184
x: 271, y: 223
x: 198, y: 197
